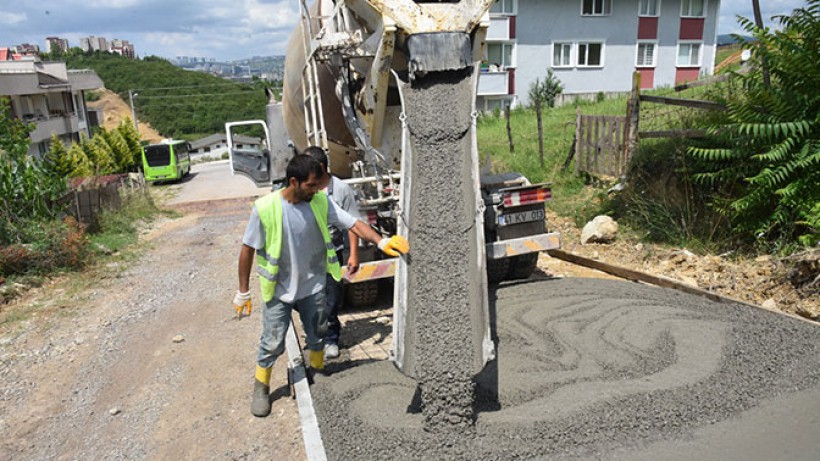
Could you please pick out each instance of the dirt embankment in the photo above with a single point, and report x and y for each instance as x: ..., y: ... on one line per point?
x: 115, y: 110
x: 780, y: 284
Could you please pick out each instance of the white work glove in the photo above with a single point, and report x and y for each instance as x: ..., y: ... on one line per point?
x: 394, y: 245
x: 242, y: 302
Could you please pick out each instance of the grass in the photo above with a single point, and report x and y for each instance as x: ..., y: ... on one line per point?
x: 650, y: 216
x: 116, y: 240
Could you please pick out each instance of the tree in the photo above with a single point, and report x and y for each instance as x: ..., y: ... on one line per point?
x: 81, y: 166
x: 544, y: 92
x: 27, y: 188
x: 132, y: 139
x: 56, y: 159
x: 763, y: 161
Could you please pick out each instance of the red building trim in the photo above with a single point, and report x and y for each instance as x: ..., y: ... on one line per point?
x: 647, y: 77
x: 510, y: 81
x: 647, y: 28
x: 686, y: 74
x: 691, y: 28
x: 512, y: 27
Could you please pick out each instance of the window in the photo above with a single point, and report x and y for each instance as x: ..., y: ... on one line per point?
x: 648, y: 7
x: 692, y: 8
x: 500, y: 54
x: 503, y: 7
x: 561, y: 54
x: 646, y: 54
x: 590, y: 54
x: 596, y: 7
x: 689, y: 54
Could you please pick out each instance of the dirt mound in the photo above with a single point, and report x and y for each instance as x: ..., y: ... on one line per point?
x: 115, y: 110
x: 785, y: 284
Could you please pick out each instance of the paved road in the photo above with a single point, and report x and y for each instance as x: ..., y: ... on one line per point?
x: 213, y: 181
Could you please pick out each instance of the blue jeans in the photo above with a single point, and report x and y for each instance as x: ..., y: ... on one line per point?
x: 276, y: 319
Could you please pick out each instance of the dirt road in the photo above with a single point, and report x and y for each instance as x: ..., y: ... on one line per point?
x: 148, y: 364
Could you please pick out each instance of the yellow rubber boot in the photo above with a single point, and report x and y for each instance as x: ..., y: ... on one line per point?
x: 260, y: 405
x: 317, y: 359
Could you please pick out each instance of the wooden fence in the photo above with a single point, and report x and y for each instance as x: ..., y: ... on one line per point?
x: 604, y: 144
x: 86, y: 200
x: 600, y: 144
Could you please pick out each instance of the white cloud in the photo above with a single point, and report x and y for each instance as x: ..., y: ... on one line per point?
x: 116, y: 4
x: 12, y: 18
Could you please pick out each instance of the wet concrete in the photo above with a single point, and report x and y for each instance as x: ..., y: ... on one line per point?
x: 598, y: 369
x: 443, y: 331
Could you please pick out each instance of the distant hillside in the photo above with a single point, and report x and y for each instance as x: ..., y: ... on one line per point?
x: 176, y: 102
x: 729, y: 39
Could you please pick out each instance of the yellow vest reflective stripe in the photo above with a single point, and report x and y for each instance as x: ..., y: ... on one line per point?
x: 269, y: 209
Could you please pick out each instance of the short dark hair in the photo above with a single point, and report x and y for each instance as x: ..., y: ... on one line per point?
x: 301, y: 166
x: 318, y: 154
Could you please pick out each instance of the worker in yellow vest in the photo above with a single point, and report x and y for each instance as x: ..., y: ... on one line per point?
x: 288, y: 233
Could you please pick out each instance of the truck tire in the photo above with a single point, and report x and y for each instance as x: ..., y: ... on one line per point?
x: 362, y: 294
x: 497, y: 269
x: 522, y: 266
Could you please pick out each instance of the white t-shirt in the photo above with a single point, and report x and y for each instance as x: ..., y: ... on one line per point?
x: 303, y: 261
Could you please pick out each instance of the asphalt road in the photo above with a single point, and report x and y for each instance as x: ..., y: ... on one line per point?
x: 213, y: 181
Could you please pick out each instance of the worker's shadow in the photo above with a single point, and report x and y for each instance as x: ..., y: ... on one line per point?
x: 374, y: 330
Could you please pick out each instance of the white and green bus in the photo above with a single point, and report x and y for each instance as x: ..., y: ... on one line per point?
x: 167, y: 161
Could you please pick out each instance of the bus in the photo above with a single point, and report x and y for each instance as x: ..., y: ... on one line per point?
x: 167, y: 161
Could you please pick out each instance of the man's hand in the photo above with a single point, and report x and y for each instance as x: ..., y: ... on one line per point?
x: 394, y: 245
x: 352, y: 264
x: 242, y: 302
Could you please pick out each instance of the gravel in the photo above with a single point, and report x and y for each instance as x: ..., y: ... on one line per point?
x: 587, y: 368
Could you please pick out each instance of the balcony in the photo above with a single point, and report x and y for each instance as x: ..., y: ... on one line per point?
x: 500, y: 28
x: 493, y: 83
x: 59, y: 125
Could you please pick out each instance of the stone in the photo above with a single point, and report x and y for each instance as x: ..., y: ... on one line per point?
x: 178, y: 339
x: 602, y: 229
x: 770, y: 304
x: 114, y: 411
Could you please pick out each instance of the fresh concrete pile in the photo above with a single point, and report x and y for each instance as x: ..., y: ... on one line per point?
x: 443, y: 277
x: 597, y: 369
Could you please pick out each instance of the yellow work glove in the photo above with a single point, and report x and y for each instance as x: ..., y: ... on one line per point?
x: 242, y: 302
x: 394, y: 245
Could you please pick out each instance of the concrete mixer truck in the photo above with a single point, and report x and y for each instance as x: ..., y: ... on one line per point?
x: 387, y: 88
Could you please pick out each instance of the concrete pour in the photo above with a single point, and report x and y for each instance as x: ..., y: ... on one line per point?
x: 443, y: 327
x: 606, y: 370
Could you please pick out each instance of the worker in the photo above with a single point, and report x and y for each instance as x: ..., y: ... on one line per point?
x: 288, y: 233
x: 345, y: 244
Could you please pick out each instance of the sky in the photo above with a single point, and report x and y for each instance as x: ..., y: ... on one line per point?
x: 219, y: 29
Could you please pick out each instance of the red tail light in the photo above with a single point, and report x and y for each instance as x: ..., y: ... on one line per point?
x: 372, y: 217
x: 526, y: 197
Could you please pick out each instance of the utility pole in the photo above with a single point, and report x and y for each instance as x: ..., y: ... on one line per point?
x: 131, y: 96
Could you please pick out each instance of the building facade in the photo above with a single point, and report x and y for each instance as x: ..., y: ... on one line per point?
x: 49, y: 96
x: 56, y: 44
x: 594, y: 46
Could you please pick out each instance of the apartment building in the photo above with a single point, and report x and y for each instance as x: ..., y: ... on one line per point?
x: 51, y: 97
x: 56, y: 43
x: 594, y: 46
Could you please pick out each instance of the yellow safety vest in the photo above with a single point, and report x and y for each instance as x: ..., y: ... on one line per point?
x: 269, y: 209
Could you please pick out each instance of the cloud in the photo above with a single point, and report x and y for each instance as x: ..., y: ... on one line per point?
x: 12, y: 18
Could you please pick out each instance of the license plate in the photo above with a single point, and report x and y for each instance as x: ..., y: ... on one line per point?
x: 520, y: 217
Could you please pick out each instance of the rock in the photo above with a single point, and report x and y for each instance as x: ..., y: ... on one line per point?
x: 691, y: 281
x: 639, y: 247
x: 178, y: 339
x: 602, y: 229
x: 114, y: 411
x: 810, y: 312
x: 770, y: 304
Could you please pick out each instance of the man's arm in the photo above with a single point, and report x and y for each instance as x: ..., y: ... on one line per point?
x: 353, y: 257
x: 366, y: 232
x: 245, y: 264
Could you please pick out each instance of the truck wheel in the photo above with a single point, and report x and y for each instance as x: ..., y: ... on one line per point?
x: 521, y: 266
x: 362, y: 294
x: 497, y: 269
